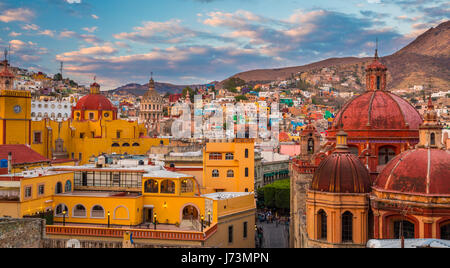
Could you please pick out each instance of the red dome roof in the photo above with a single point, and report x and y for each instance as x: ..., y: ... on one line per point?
x: 378, y: 110
x: 420, y: 171
x: 94, y: 102
x: 341, y: 172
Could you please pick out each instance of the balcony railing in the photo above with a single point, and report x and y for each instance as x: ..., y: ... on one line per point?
x: 137, y: 234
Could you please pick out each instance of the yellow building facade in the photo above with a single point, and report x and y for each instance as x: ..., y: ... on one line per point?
x: 229, y: 166
x: 92, y: 130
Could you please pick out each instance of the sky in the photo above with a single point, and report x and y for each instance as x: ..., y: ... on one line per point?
x: 199, y: 41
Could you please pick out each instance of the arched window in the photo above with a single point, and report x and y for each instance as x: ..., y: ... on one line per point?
x: 68, y: 186
x: 33, y: 114
x: 79, y: 211
x: 408, y: 229
x: 187, y: 186
x: 322, y: 225
x: 230, y: 174
x: 97, y: 212
x: 126, y: 145
x: 311, y: 146
x: 229, y: 156
x: 167, y: 187
x: 60, y: 209
x: 121, y: 213
x: 59, y: 188
x: 215, y: 173
x: 151, y: 186
x: 136, y: 144
x: 433, y: 139
x: 190, y: 213
x: 385, y: 154
x: 445, y: 231
x: 347, y: 227
x: 115, y: 145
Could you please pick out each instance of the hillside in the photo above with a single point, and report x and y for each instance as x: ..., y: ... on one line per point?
x: 139, y: 90
x: 424, y: 61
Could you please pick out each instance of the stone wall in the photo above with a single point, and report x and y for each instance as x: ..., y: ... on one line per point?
x: 21, y: 233
x: 300, y: 183
x: 62, y: 243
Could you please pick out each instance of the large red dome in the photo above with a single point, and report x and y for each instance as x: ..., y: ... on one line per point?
x: 380, y: 110
x: 94, y: 102
x: 341, y: 172
x: 419, y: 171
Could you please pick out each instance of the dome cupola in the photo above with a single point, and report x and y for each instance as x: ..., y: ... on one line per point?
x: 341, y: 172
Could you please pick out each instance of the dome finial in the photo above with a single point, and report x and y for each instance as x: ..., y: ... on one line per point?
x: 376, y: 50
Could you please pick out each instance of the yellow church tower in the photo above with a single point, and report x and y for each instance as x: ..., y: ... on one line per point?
x: 15, y: 107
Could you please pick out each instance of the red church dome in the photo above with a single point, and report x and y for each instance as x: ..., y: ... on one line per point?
x: 421, y: 171
x: 379, y: 110
x: 94, y: 102
x: 341, y: 172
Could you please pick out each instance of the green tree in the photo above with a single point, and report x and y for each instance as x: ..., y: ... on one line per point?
x: 57, y: 77
x: 233, y: 83
x: 276, y: 195
x: 240, y: 97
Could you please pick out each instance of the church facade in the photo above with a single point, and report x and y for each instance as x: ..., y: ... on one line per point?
x: 93, y: 128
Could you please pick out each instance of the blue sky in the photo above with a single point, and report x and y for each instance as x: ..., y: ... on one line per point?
x: 198, y: 41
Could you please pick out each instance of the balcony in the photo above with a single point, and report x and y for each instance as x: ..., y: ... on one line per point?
x: 162, y: 234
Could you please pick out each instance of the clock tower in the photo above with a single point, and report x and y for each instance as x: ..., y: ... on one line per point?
x: 15, y: 110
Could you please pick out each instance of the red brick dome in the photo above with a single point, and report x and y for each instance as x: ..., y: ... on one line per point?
x: 94, y: 102
x: 420, y: 171
x: 379, y: 110
x: 341, y: 172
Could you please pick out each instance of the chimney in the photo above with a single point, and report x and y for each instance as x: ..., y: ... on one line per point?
x: 9, y: 162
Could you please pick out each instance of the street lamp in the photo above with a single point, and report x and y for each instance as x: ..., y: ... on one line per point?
x: 64, y: 218
x: 203, y: 217
x: 209, y: 218
x: 154, y: 218
x: 109, y: 214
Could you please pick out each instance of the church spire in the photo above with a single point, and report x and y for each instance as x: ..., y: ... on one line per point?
x: 151, y: 83
x: 430, y: 132
x: 376, y: 74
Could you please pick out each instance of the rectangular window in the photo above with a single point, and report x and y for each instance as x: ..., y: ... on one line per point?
x: 246, y: 172
x: 215, y: 156
x: 28, y: 192
x: 37, y: 139
x: 41, y: 189
x: 91, y: 116
x: 245, y: 229
x: 118, y: 134
x: 82, y: 135
x: 230, y: 234
x: 246, y: 153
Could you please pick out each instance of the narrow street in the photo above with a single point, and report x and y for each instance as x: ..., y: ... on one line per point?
x: 274, y: 236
